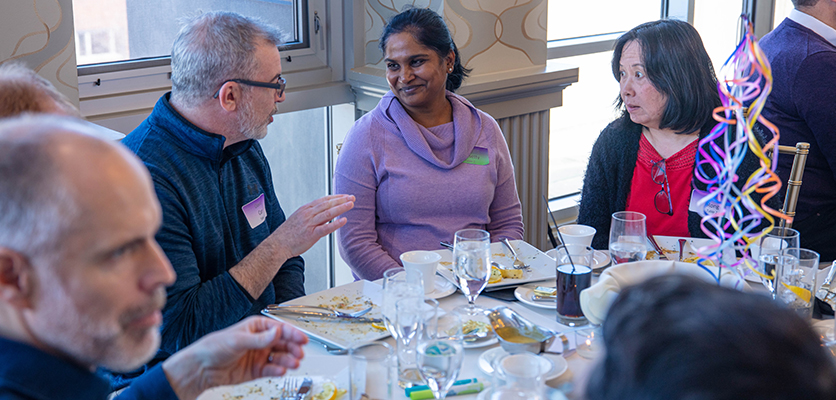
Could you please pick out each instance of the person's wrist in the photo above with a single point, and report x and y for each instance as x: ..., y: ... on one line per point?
x: 182, y: 373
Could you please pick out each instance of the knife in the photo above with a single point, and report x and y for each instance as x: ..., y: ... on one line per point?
x: 315, y: 312
x: 658, y: 249
x: 304, y: 389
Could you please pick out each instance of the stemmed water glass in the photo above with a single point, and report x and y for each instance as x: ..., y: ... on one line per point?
x: 413, y: 313
x: 472, y: 263
x: 771, y: 246
x: 628, y: 234
x: 399, y: 283
x: 440, y: 353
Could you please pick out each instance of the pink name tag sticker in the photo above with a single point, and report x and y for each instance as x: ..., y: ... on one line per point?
x: 255, y: 211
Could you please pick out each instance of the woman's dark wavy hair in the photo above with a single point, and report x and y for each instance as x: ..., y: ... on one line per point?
x: 676, y: 337
x: 429, y: 29
x: 676, y: 63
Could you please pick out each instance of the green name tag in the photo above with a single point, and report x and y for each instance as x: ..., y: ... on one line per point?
x: 479, y: 156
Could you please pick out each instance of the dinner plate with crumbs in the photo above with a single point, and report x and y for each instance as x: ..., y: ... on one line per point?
x: 542, y: 266
x: 670, y: 246
x: 270, y: 388
x: 348, y: 298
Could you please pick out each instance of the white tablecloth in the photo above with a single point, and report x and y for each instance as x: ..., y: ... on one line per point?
x: 317, y: 361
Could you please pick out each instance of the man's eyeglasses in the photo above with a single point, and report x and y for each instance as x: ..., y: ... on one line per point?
x: 662, y: 201
x: 279, y: 86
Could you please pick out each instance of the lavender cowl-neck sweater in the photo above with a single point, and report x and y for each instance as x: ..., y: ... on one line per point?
x: 413, y: 187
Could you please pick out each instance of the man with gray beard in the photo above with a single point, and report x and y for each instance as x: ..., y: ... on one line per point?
x: 223, y: 229
x: 82, y: 280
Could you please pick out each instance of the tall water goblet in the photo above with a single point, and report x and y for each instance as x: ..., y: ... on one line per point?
x: 399, y: 283
x: 472, y: 263
x: 413, y: 314
x: 628, y: 233
x: 770, y: 248
x: 440, y: 353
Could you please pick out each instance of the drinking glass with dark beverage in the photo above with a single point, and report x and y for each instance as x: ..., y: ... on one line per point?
x: 574, y: 274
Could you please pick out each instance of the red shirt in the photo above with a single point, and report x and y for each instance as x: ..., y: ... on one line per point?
x: 680, y: 170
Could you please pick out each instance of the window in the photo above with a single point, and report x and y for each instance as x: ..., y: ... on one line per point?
x: 718, y: 22
x: 782, y: 10
x: 571, y: 19
x: 122, y: 30
x: 588, y: 104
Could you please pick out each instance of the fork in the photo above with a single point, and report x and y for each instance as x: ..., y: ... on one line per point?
x: 356, y: 313
x: 517, y: 263
x: 289, y: 389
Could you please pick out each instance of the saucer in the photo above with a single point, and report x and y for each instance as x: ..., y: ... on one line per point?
x: 443, y: 288
x: 555, y: 362
x: 525, y: 294
x: 600, y: 259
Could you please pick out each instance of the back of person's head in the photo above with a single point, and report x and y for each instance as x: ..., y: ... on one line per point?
x: 804, y: 3
x: 213, y: 48
x: 23, y: 90
x: 36, y: 207
x: 676, y: 337
x: 677, y: 64
x: 428, y: 29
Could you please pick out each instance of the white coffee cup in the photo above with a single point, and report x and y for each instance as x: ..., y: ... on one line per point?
x: 577, y: 234
x: 424, y: 261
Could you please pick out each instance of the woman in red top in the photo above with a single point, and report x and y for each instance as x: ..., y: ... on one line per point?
x: 644, y: 161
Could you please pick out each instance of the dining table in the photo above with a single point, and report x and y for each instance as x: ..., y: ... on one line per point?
x: 319, y: 360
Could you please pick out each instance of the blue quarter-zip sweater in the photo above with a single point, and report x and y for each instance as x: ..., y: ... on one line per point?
x: 202, y: 188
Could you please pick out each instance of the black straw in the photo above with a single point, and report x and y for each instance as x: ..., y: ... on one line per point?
x: 558, y: 233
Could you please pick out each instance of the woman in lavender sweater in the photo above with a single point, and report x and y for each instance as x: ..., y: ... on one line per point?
x: 424, y: 163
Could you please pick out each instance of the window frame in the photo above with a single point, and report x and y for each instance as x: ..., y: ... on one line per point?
x: 128, y: 88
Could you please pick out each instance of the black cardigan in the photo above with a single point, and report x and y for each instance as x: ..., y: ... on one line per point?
x: 609, y: 175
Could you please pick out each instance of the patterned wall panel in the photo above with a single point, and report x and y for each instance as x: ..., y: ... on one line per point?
x: 40, y: 34
x: 492, y: 35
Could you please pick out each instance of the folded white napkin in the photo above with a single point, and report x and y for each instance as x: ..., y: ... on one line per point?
x: 596, y: 300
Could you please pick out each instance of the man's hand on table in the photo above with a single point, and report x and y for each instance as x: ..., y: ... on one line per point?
x: 253, y: 348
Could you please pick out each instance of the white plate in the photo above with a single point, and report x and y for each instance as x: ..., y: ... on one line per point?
x: 670, y: 245
x: 525, y: 294
x: 341, y: 333
x: 443, y: 288
x: 600, y: 259
x: 542, y: 266
x: 266, y: 388
x: 557, y: 363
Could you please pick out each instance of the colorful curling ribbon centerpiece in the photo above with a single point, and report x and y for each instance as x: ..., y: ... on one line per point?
x: 734, y: 218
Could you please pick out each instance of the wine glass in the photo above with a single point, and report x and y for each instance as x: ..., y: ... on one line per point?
x: 628, y: 234
x: 472, y: 263
x: 412, y: 315
x: 440, y: 353
x: 771, y: 246
x: 399, y: 283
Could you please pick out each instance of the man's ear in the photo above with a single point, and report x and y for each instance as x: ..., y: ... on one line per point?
x: 229, y: 96
x: 16, y: 278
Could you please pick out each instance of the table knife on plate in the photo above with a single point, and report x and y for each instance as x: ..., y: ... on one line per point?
x: 659, y: 249
x: 304, y: 389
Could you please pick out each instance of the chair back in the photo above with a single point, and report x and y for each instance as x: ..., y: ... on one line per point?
x: 799, y: 153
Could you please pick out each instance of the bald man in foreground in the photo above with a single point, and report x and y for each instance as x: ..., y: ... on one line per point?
x: 82, y: 280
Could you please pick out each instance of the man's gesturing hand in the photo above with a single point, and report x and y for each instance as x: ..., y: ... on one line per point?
x: 310, y: 223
